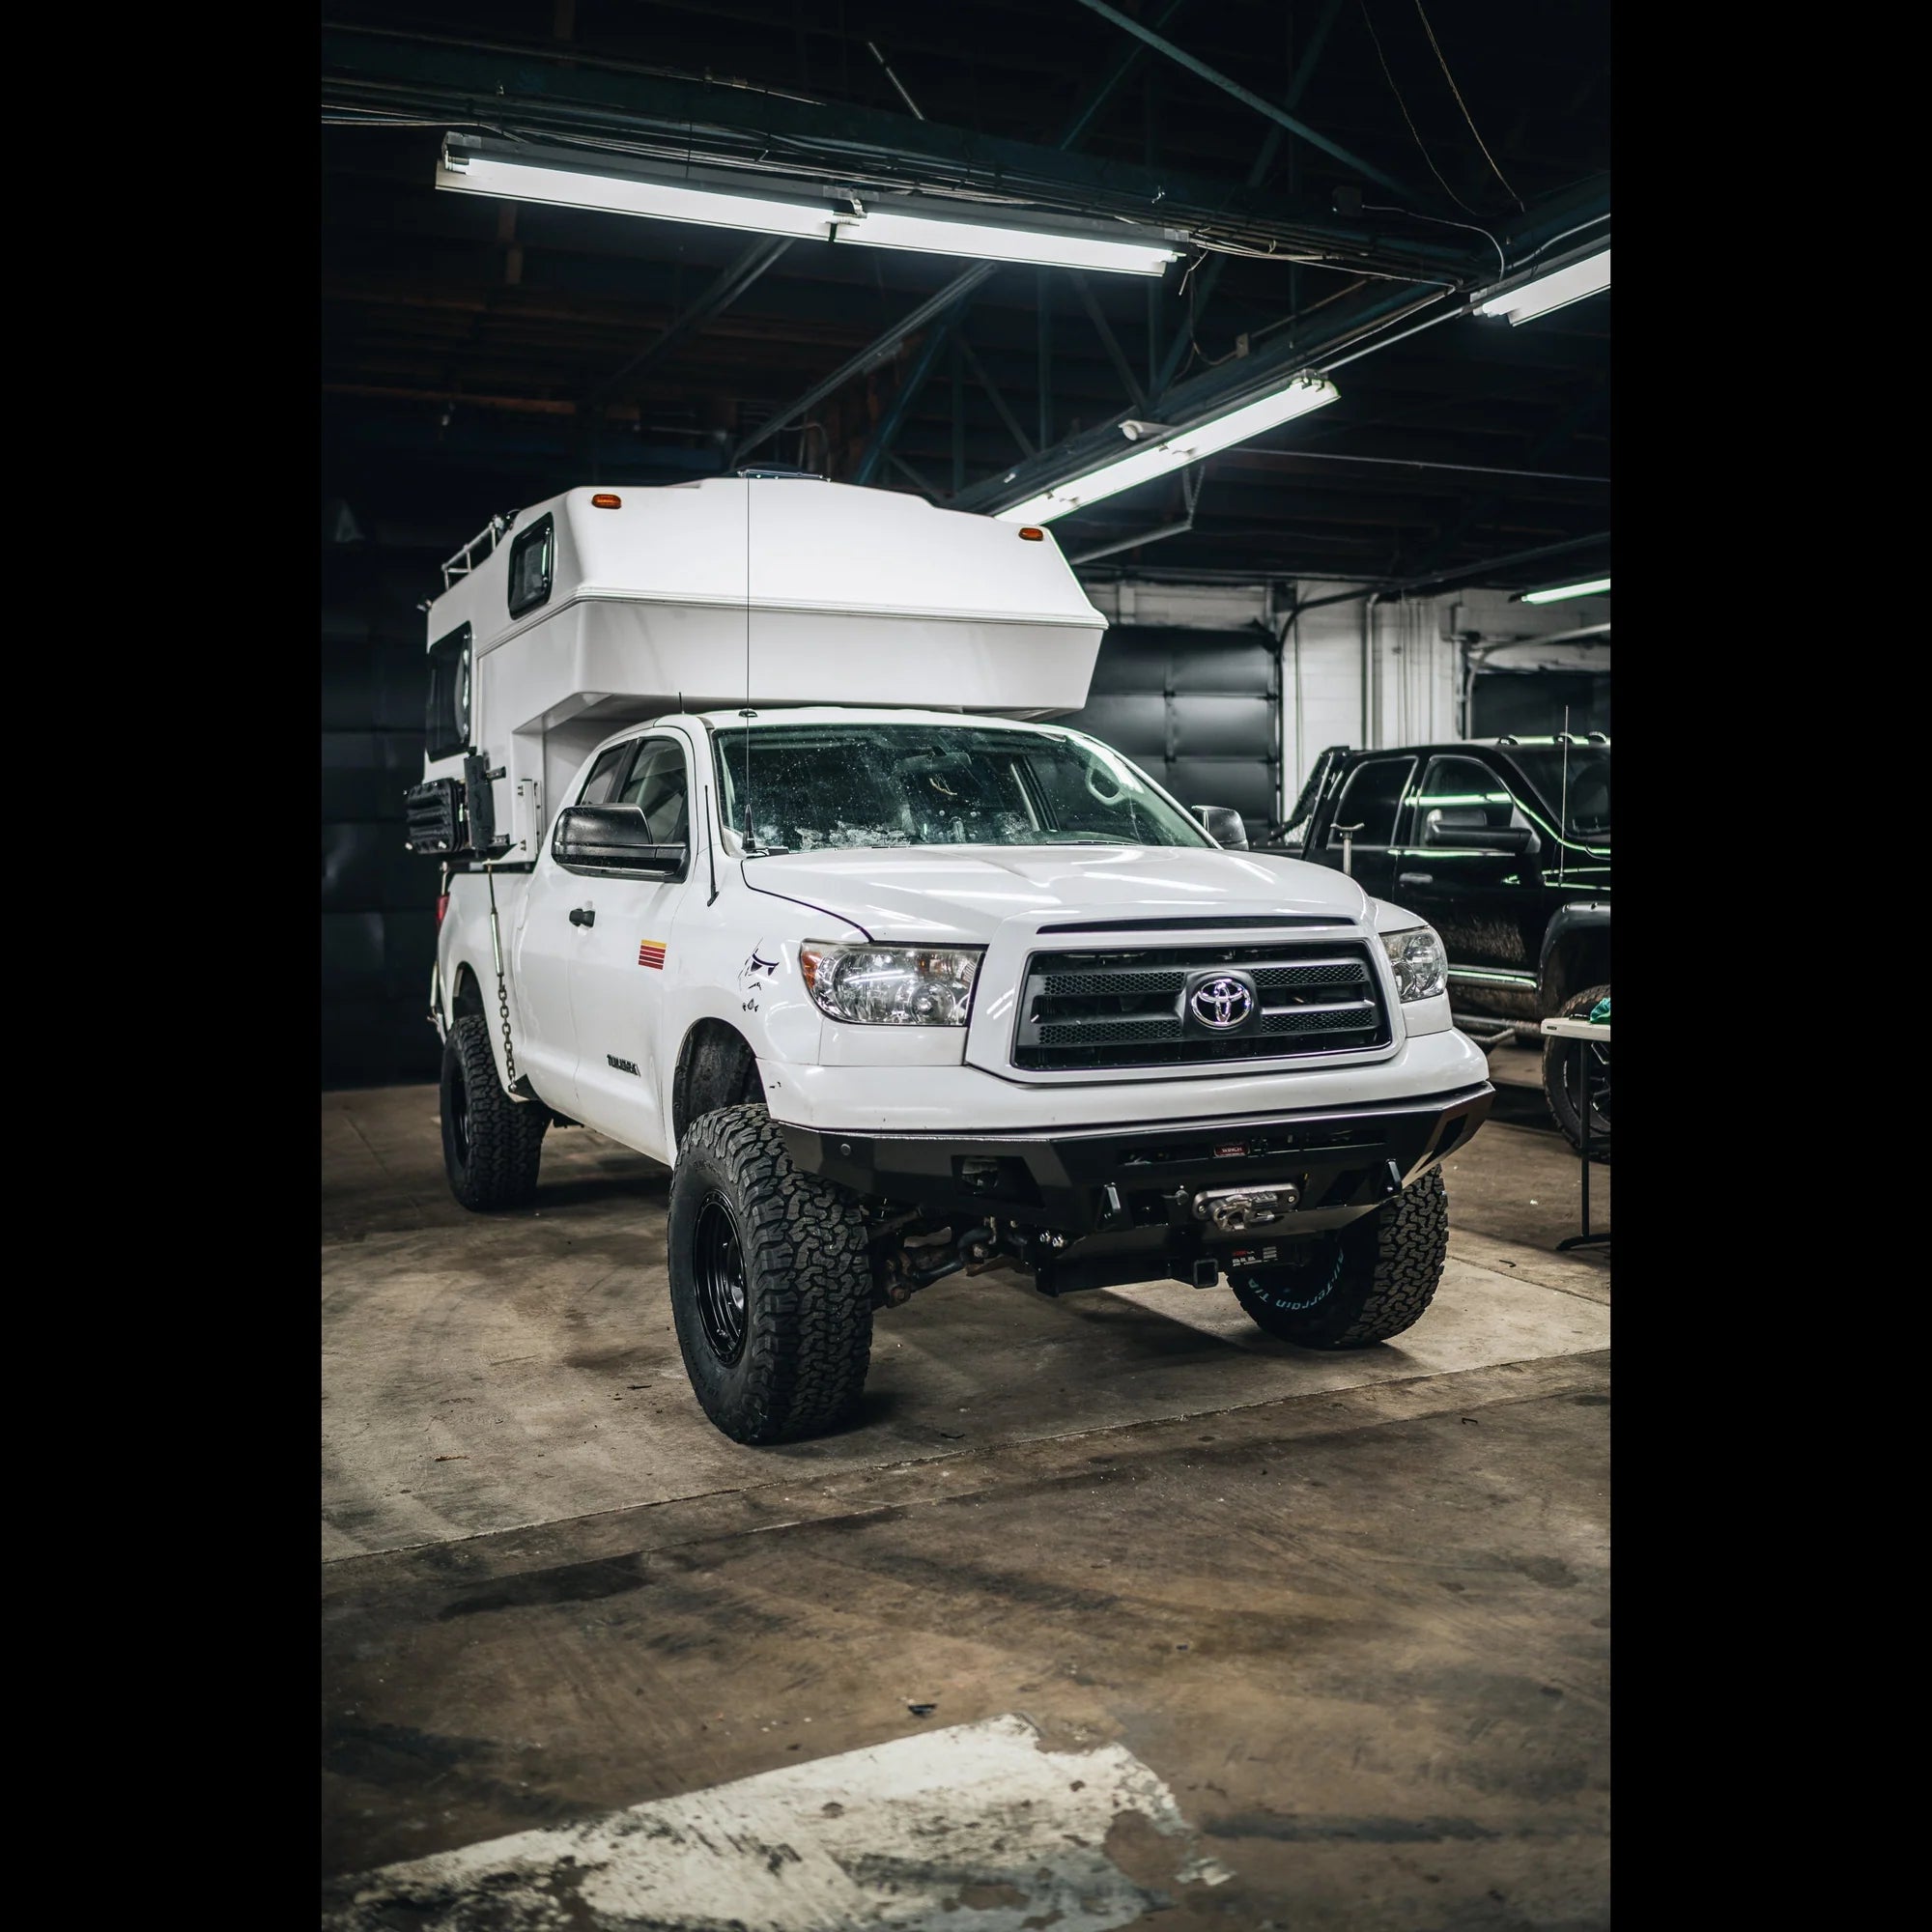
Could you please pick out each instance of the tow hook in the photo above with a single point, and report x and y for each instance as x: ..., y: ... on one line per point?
x: 1232, y: 1211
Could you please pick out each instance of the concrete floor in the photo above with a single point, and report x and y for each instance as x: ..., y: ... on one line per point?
x: 1345, y: 1616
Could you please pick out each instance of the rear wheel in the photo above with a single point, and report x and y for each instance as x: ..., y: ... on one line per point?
x: 1368, y: 1282
x: 771, y: 1288
x: 1562, y: 1063
x: 491, y: 1145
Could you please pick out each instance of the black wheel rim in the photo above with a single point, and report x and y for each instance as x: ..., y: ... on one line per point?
x: 458, y: 1119
x: 1597, y: 1088
x: 718, y: 1264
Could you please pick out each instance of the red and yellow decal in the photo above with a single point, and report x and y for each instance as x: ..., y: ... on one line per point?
x: 651, y: 954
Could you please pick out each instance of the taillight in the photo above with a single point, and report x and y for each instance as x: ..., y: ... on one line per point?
x: 442, y: 906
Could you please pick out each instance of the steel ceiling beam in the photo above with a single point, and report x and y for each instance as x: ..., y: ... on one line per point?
x: 880, y: 444
x: 871, y: 356
x: 1211, y: 275
x: 728, y: 285
x: 998, y: 400
x: 1463, y: 572
x: 1135, y: 394
x: 886, y: 432
x: 1215, y: 78
x: 1344, y: 332
x: 1124, y: 62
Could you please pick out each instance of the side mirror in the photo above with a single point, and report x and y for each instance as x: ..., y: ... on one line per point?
x: 1223, y: 824
x: 1462, y: 826
x: 614, y: 841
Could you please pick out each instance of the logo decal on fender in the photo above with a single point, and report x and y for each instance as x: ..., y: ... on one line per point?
x: 651, y: 954
x: 622, y: 1065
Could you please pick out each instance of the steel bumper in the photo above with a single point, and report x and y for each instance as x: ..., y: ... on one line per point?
x: 1343, y: 1161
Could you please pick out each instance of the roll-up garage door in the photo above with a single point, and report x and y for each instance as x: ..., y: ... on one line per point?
x: 1199, y: 710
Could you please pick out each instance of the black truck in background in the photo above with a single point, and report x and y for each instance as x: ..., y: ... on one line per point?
x: 1503, y: 845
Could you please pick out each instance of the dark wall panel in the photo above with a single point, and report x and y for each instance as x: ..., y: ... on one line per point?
x: 378, y: 902
x: 1199, y: 710
x: 1533, y: 704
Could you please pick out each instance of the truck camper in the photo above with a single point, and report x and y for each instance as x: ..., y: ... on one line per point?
x: 763, y: 856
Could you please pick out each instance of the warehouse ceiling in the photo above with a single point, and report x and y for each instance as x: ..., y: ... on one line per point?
x: 480, y: 354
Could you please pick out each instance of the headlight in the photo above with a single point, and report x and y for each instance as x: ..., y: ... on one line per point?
x: 891, y: 986
x: 1421, y: 969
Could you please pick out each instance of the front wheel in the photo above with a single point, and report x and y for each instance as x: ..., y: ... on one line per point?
x: 771, y: 1288
x: 1367, y: 1283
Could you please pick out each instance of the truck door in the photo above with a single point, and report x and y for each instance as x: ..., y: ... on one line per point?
x: 1466, y: 865
x: 548, y: 941
x: 1371, y: 796
x: 617, y: 973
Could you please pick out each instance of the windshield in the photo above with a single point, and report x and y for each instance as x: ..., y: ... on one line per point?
x: 1576, y: 785
x: 814, y: 787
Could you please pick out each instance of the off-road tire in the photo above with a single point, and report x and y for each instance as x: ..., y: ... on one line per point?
x: 1371, y: 1281
x: 1559, y: 1066
x: 807, y: 1316
x: 491, y: 1145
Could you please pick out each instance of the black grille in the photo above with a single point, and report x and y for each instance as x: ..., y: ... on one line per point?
x: 1127, y: 1008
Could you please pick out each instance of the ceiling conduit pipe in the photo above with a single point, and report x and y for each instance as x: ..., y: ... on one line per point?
x: 1369, y: 673
x: 1293, y: 623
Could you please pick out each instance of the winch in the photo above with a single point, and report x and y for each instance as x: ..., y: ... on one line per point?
x: 1231, y: 1210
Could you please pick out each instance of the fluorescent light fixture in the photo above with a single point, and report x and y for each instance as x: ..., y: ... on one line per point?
x: 1588, y: 277
x: 1175, y: 450
x: 882, y: 228
x: 617, y: 194
x: 873, y: 228
x: 1590, y: 589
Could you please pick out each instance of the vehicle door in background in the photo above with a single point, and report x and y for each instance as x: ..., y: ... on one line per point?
x: 1291, y: 834
x: 546, y: 943
x: 1372, y: 794
x: 617, y: 982
x: 1469, y: 865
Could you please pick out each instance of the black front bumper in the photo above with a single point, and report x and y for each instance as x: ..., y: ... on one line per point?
x: 1345, y: 1161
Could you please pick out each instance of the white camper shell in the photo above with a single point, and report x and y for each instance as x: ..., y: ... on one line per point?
x: 602, y: 606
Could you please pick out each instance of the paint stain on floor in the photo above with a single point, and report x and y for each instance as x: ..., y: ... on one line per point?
x: 975, y: 1824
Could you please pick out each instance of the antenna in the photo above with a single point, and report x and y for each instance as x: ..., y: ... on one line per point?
x: 1563, y: 801
x: 748, y: 714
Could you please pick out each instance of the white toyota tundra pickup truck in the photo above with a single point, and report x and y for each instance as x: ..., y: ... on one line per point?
x: 762, y: 856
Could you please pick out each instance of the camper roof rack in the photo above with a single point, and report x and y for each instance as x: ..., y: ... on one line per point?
x: 1559, y: 738
x: 479, y: 547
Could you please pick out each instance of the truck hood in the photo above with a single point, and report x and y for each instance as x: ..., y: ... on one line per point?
x: 960, y: 894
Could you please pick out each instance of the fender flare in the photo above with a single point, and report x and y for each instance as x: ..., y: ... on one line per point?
x: 1585, y: 915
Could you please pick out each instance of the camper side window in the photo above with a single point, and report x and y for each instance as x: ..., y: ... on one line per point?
x: 447, y: 717
x: 531, y: 558
x: 606, y: 773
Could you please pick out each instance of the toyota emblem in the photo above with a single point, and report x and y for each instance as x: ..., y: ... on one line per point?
x: 1222, y: 1003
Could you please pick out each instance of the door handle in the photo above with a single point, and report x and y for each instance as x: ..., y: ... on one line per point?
x: 583, y: 916
x: 1415, y: 878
